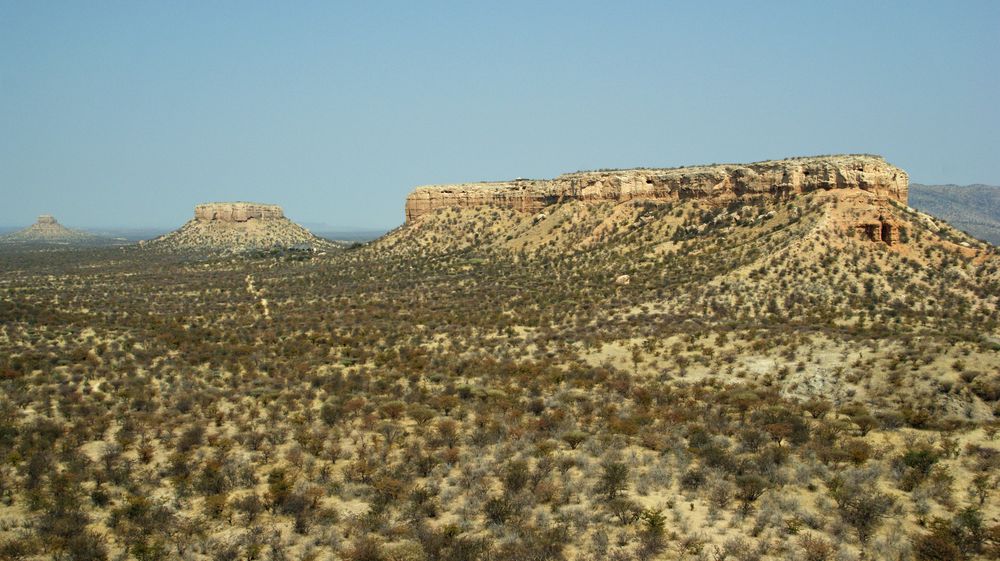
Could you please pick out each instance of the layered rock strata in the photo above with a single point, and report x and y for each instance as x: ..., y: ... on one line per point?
x: 236, y: 212
x: 722, y: 183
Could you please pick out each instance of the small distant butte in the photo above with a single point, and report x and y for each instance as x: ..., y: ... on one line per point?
x: 238, y: 226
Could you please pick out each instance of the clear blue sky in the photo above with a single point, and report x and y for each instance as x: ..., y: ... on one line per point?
x: 129, y: 113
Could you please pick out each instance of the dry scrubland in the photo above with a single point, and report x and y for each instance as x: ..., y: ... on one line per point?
x: 770, y: 384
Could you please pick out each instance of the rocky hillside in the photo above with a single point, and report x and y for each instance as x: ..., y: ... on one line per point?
x: 972, y: 208
x: 860, y: 197
x: 844, y: 261
x: 237, y: 227
x: 48, y: 231
x: 718, y: 183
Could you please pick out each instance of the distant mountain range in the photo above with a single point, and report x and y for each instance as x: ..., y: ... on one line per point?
x: 974, y: 209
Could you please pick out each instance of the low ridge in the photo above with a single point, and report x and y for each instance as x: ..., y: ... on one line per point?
x: 239, y: 226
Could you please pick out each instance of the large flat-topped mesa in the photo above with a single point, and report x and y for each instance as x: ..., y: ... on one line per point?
x: 721, y: 182
x: 236, y: 212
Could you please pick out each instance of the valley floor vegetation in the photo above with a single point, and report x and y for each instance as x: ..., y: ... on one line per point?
x: 478, y: 386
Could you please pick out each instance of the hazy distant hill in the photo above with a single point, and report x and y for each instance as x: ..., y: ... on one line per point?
x: 48, y: 231
x: 972, y: 208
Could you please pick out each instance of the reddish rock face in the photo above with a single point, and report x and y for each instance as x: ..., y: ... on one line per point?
x: 236, y: 212
x: 722, y: 182
x: 883, y: 229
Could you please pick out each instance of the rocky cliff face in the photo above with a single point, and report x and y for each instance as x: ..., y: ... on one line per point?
x: 721, y: 183
x: 236, y: 212
x: 238, y: 227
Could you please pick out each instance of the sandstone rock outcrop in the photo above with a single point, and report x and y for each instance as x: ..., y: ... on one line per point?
x: 721, y: 183
x: 47, y: 230
x: 883, y: 229
x: 236, y: 212
x: 239, y: 226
